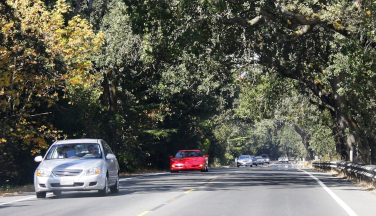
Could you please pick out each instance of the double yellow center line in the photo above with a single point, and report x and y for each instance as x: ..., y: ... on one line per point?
x: 188, y: 191
x: 143, y: 213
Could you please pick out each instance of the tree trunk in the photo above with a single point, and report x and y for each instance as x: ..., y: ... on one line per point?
x: 305, y: 140
x: 77, y: 7
x: 346, y: 128
x: 109, y: 97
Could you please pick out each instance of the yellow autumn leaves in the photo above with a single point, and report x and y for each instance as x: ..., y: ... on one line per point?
x: 75, y: 43
x: 40, y: 53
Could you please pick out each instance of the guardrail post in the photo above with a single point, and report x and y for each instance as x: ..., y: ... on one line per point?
x: 370, y: 156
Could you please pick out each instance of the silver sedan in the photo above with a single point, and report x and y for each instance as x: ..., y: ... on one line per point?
x: 260, y: 160
x: 245, y: 160
x: 77, y: 165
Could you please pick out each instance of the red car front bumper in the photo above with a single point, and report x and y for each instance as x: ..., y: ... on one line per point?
x: 177, y: 167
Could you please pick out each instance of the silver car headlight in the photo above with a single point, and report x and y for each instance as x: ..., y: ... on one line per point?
x: 93, y: 171
x: 43, y: 173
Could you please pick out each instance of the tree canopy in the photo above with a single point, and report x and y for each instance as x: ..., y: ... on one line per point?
x: 325, y: 45
x: 151, y: 77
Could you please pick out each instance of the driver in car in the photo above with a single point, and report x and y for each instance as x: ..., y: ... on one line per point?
x: 92, y: 150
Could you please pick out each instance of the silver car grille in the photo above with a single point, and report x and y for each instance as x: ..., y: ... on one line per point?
x: 76, y: 184
x: 67, y: 172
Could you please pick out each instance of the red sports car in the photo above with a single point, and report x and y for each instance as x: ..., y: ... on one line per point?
x: 189, y: 160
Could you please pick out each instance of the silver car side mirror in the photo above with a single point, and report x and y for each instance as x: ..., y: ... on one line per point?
x: 110, y: 156
x: 38, y: 158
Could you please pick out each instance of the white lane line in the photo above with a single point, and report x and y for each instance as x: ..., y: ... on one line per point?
x: 334, y: 196
x: 17, y: 200
x: 32, y: 197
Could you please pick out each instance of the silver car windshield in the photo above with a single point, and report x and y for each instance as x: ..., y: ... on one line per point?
x: 74, y: 151
x: 244, y: 157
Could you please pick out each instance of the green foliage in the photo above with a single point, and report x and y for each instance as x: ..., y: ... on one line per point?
x: 291, y: 143
x: 154, y: 77
x: 322, y: 142
x: 40, y: 58
x: 306, y: 41
x: 170, y: 66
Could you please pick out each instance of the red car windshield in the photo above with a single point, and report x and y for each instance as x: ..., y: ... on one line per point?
x: 189, y: 154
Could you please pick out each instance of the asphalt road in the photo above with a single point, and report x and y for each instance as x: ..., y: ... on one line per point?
x: 276, y: 189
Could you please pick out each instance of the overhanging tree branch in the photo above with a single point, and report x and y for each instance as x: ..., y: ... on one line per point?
x: 311, y: 82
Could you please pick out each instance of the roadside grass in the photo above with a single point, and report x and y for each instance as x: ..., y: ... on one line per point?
x: 9, y: 190
x: 366, y: 185
x: 227, y: 166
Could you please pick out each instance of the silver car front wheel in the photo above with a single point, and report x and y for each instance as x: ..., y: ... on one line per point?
x: 115, y: 187
x: 41, y: 194
x: 103, y: 192
x: 57, y: 193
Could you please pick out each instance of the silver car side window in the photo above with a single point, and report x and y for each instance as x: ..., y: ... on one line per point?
x: 106, y: 148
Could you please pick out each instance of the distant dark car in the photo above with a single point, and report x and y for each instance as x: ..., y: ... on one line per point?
x: 254, y: 160
x: 189, y: 160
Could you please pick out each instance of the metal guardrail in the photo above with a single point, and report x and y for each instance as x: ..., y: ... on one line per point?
x: 351, y: 168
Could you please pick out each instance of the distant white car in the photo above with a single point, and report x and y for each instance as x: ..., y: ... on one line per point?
x: 266, y: 158
x: 77, y: 165
x: 283, y: 160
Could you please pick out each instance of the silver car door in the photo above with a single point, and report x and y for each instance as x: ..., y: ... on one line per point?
x: 110, y: 163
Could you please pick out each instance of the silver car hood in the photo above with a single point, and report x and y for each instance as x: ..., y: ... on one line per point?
x: 63, y: 164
